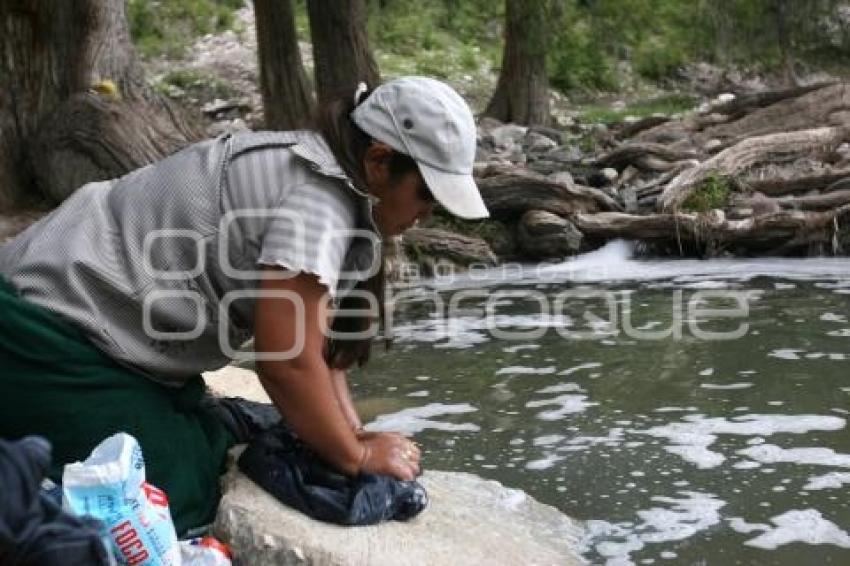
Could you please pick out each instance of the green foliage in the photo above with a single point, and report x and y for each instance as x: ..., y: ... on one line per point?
x: 442, y: 38
x: 577, y: 60
x: 195, y: 84
x: 712, y: 193
x: 588, y: 39
x: 165, y: 27
x: 668, y: 104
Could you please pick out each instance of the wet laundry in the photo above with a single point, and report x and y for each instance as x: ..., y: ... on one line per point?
x: 286, y: 468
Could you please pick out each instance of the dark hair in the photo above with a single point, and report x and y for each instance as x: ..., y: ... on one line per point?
x: 349, y: 145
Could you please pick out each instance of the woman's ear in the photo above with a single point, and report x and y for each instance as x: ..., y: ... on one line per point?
x: 376, y: 163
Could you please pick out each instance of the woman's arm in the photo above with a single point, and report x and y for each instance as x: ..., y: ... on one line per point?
x: 302, y: 388
x: 343, y: 395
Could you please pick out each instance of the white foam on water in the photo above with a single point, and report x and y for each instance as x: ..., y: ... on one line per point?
x: 416, y: 419
x: 746, y: 465
x: 739, y: 525
x: 520, y: 348
x: 817, y: 456
x: 524, y: 370
x: 833, y: 317
x: 674, y: 409
x: 460, y: 332
x: 614, y: 263
x: 613, y: 438
x: 742, y: 385
x: 795, y: 354
x: 679, y: 519
x: 548, y: 439
x: 706, y: 372
x: 832, y: 480
x: 572, y: 370
x: 562, y: 388
x: 544, y: 463
x: 420, y: 393
x: 800, y: 525
x: 785, y: 354
x: 569, y: 404
x: 691, y: 437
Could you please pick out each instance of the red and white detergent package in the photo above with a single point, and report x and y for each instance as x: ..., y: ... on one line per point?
x: 206, y: 551
x: 110, y: 486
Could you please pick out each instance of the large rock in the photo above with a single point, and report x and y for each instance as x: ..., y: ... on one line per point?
x: 543, y: 235
x: 508, y: 135
x: 469, y: 521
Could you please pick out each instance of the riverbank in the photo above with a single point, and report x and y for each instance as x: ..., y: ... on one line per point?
x: 477, y: 521
x: 728, y: 166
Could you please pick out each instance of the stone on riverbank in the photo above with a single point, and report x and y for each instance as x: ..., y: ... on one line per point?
x: 469, y: 521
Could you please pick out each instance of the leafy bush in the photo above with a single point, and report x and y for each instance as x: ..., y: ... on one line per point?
x: 166, y: 27
x: 712, y: 193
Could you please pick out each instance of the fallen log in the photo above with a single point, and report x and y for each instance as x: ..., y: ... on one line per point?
x: 825, y: 201
x: 824, y: 107
x: 743, y: 104
x: 436, y: 243
x: 744, y: 154
x: 629, y: 129
x: 781, y: 186
x: 713, y: 232
x: 645, y: 156
x: 510, y: 196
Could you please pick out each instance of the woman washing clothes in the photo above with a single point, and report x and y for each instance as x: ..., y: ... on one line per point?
x: 115, y: 302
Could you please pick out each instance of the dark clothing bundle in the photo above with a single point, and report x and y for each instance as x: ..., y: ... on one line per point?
x: 34, y: 531
x: 283, y: 466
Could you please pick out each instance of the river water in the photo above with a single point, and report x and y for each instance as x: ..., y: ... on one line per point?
x: 687, y: 412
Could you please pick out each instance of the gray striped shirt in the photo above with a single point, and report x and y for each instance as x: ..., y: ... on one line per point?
x: 161, y: 267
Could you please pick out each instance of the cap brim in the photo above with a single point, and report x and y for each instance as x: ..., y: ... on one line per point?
x: 456, y: 193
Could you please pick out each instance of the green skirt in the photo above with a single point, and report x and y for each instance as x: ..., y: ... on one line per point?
x: 55, y: 383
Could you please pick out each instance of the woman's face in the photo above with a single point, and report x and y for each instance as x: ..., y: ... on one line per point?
x: 403, y: 200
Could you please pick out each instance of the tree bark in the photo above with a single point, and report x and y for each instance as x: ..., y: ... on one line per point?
x: 340, y: 47
x: 287, y: 100
x: 783, y: 40
x: 54, y: 56
x: 510, y: 196
x: 458, y: 248
x: 522, y: 93
x: 780, y: 233
x: 745, y: 154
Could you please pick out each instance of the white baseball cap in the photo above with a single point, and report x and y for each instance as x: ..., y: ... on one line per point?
x: 427, y: 120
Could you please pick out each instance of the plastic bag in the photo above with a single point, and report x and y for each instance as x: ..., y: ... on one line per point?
x: 110, y: 486
x: 206, y: 551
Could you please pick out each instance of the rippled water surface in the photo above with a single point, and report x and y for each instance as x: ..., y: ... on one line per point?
x: 615, y: 406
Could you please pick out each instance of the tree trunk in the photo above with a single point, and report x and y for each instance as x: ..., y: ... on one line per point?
x: 287, y: 100
x: 70, y: 79
x: 522, y: 93
x: 783, y: 40
x: 340, y: 47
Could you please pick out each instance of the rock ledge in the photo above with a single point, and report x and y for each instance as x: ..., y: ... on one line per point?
x: 470, y: 521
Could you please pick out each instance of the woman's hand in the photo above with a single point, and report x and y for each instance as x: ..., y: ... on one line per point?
x: 390, y: 454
